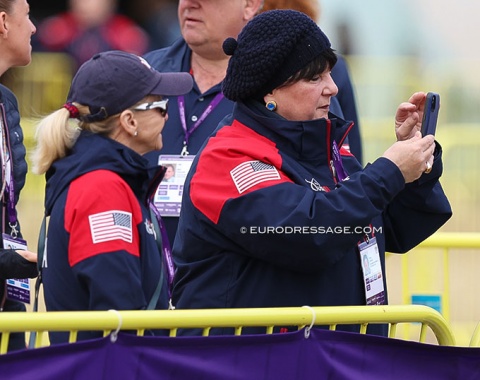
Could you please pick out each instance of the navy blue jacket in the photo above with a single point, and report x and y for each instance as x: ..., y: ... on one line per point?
x: 236, y: 246
x: 176, y: 58
x: 13, y: 265
x: 346, y: 98
x: 101, y: 248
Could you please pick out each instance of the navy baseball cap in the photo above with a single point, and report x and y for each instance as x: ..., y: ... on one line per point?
x: 112, y: 81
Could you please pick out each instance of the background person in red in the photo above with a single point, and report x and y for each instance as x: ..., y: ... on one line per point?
x: 89, y: 27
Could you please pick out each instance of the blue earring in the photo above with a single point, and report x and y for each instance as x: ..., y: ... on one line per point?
x: 271, y: 105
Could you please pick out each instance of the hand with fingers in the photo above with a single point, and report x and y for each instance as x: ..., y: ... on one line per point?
x: 408, y: 118
x: 413, y: 157
x: 412, y: 153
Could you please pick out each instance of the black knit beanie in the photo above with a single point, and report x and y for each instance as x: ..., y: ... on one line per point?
x: 272, y: 47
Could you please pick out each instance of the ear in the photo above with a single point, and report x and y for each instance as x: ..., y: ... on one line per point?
x: 3, y: 24
x: 252, y: 7
x: 128, y: 122
x: 268, y: 97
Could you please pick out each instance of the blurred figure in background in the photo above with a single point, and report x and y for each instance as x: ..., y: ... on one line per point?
x: 89, y: 27
x: 309, y: 7
x: 340, y: 73
x: 159, y: 19
x: 16, y: 31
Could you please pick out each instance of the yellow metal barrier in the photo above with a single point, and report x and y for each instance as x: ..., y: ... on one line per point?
x: 475, y: 341
x: 42, y: 86
x: 108, y: 321
x: 446, y: 241
x: 438, y: 278
x: 449, y: 240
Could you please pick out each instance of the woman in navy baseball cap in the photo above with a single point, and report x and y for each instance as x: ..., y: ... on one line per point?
x: 103, y: 250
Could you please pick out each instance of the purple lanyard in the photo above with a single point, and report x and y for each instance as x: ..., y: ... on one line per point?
x: 12, y: 213
x: 337, y: 163
x: 167, y: 252
x: 181, y: 106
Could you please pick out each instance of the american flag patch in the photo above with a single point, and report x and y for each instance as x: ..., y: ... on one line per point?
x: 111, y: 225
x: 251, y: 173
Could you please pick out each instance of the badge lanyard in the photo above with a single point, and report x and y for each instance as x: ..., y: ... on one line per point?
x: 337, y: 163
x: 7, y: 180
x: 372, y: 272
x: 15, y: 289
x: 368, y: 250
x: 181, y: 106
x: 167, y: 252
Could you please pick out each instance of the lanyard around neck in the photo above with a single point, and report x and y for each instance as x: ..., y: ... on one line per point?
x: 8, y: 190
x: 166, y: 249
x: 181, y: 106
x: 337, y: 163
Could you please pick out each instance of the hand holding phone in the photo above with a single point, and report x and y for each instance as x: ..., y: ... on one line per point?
x: 430, y: 114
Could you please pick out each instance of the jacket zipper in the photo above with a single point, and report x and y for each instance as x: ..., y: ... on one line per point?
x: 329, y: 152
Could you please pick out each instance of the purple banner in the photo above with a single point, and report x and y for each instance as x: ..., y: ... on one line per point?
x: 324, y: 355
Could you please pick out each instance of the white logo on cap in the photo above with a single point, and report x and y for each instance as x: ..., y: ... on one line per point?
x: 145, y: 62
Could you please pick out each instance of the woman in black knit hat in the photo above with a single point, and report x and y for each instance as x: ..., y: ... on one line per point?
x: 275, y: 212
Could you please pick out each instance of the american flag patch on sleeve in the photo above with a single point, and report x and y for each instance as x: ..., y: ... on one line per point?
x: 251, y: 173
x: 111, y: 225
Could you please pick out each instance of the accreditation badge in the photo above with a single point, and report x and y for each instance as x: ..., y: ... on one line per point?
x: 372, y: 272
x: 18, y: 289
x: 168, y: 197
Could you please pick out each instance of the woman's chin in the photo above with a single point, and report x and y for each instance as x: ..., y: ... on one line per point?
x: 159, y: 144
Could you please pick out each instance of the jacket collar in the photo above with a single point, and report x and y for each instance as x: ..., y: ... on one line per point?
x: 173, y: 58
x: 95, y: 152
x: 303, y: 140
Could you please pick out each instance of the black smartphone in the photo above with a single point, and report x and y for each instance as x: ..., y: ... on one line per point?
x: 430, y: 114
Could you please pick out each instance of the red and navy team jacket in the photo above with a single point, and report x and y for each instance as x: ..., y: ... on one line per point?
x: 176, y: 58
x: 265, y: 221
x: 101, y: 249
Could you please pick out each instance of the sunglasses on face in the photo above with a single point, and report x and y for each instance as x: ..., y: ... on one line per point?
x: 161, y: 106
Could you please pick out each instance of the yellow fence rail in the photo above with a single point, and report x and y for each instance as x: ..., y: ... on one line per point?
x: 475, y: 341
x: 172, y: 320
x: 415, y: 276
x: 448, y: 240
